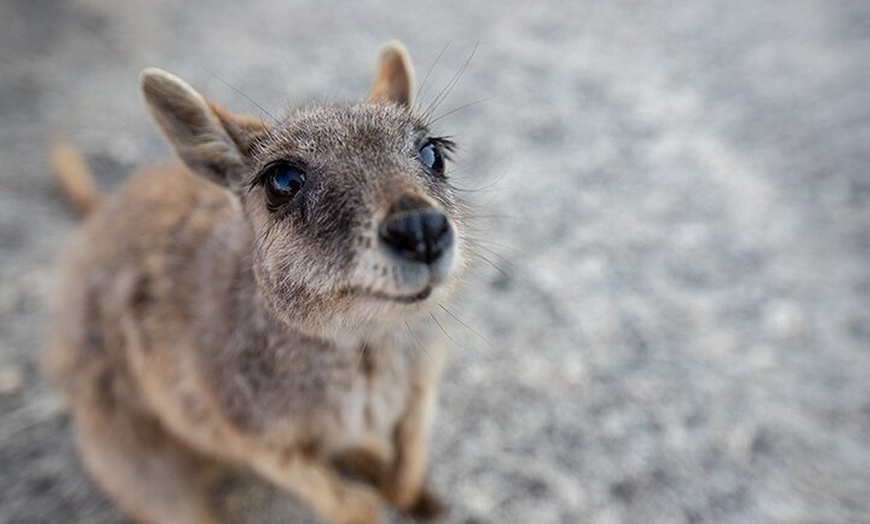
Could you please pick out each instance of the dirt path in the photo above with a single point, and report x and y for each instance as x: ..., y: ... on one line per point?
x: 673, y: 311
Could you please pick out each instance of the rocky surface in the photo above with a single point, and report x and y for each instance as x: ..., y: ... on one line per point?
x: 668, y: 321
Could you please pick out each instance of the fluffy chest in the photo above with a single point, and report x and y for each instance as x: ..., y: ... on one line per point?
x: 296, y: 391
x: 374, y: 403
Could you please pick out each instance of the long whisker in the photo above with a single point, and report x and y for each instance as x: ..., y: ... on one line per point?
x: 482, y: 244
x: 493, y: 264
x: 431, y: 68
x: 242, y: 93
x: 446, y: 333
x: 419, y: 342
x: 494, y: 247
x: 450, y: 85
x: 459, y: 320
x: 482, y: 188
x: 460, y: 108
x: 500, y: 216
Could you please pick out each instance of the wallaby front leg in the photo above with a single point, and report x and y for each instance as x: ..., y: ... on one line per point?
x: 318, y: 484
x: 406, y: 487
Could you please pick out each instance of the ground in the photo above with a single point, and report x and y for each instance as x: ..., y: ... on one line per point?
x: 668, y: 321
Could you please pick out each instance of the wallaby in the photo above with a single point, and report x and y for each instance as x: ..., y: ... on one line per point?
x: 260, y: 304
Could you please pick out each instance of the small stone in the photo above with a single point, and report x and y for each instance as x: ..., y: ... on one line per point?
x: 786, y: 320
x: 763, y: 358
x: 11, y: 380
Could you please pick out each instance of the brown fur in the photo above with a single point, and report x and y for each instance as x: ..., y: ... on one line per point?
x: 74, y: 178
x: 196, y: 327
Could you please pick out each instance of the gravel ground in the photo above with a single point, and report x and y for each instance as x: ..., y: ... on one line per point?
x: 669, y: 319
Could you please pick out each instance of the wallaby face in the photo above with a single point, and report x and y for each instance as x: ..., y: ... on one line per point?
x: 266, y: 323
x: 367, y: 201
x: 352, y: 215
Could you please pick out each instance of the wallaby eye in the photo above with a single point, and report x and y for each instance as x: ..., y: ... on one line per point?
x: 431, y: 157
x: 282, y: 182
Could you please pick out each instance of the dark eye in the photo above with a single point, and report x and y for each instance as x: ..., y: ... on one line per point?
x: 282, y: 182
x: 432, y: 157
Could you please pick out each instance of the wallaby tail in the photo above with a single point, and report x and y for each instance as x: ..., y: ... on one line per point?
x: 75, y: 178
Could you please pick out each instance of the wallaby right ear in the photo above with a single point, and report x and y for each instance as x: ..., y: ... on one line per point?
x: 394, y: 81
x: 195, y: 130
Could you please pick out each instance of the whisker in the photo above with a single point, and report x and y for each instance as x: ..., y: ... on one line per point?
x: 446, y: 333
x: 495, y: 216
x: 431, y: 68
x: 479, y: 189
x: 490, y: 246
x: 457, y: 319
x: 503, y: 260
x: 419, y: 342
x: 491, y: 263
x: 454, y: 81
x: 460, y: 108
x: 242, y: 93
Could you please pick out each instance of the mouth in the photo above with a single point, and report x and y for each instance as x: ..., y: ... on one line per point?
x: 404, y: 299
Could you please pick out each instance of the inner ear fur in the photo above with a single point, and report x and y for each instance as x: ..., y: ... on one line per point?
x: 210, y: 140
x: 395, y: 81
x: 245, y: 130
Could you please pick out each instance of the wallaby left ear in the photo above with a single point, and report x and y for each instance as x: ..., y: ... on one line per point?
x: 395, y: 82
x: 210, y: 140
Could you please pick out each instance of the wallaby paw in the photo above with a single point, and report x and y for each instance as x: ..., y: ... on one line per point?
x: 364, y: 507
x: 427, y: 506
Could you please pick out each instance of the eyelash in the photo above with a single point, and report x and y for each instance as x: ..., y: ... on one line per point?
x: 445, y: 145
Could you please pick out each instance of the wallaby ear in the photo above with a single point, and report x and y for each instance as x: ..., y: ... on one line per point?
x: 395, y: 81
x: 208, y: 139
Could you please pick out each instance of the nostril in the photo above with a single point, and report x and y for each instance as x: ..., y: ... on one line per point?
x: 418, y: 236
x: 404, y: 232
x: 436, y: 231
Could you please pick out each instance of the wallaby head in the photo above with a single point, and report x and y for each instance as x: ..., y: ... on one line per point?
x: 350, y: 214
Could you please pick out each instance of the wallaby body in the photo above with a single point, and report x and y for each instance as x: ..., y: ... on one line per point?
x: 256, y: 305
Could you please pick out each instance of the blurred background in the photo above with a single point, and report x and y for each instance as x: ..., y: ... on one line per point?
x: 668, y: 319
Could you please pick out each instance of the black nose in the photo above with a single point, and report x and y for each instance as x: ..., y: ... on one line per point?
x: 420, y: 235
